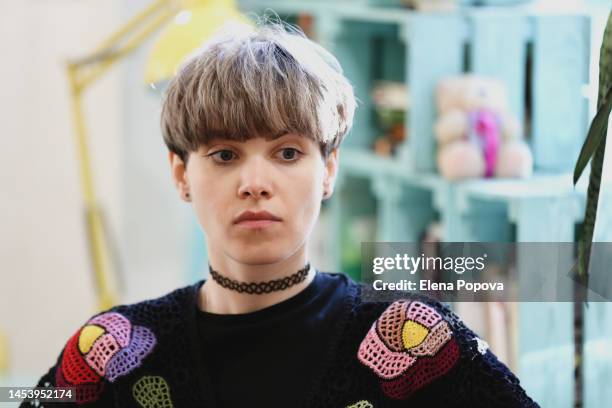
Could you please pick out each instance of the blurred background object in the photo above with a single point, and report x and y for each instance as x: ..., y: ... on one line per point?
x: 431, y: 5
x: 4, y: 354
x: 476, y: 135
x: 391, y: 102
x: 193, y: 23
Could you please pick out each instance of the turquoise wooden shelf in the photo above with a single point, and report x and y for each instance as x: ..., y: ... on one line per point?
x: 454, y: 200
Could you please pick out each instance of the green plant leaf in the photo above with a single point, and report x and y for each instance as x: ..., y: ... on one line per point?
x: 598, y: 129
x: 595, y: 145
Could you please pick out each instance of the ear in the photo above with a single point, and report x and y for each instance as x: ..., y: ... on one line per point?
x: 179, y: 176
x: 331, y: 172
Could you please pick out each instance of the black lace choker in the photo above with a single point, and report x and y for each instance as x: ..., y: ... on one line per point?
x: 260, y: 287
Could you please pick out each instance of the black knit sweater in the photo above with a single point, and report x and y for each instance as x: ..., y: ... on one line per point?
x: 408, y: 352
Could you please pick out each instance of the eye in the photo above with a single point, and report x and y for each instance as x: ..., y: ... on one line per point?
x: 223, y: 156
x: 289, y: 154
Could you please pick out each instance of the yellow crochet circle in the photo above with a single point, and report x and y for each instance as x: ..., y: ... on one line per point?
x: 88, y: 336
x: 413, y: 334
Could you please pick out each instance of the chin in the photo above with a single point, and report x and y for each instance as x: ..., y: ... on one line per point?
x: 259, y: 259
x: 262, y: 254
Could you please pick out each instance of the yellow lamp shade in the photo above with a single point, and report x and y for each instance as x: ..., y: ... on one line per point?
x: 198, y: 21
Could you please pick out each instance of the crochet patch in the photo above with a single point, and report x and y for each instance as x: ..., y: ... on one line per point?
x: 152, y: 392
x: 107, y: 346
x: 408, y: 347
x: 361, y: 404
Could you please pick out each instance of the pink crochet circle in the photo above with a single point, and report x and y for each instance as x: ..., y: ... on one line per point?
x: 423, y: 314
x: 386, y: 363
x: 390, y: 323
x: 119, y: 326
x: 434, y: 341
x: 103, y: 349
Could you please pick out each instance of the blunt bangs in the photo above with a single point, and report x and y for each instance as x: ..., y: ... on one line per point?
x: 262, y: 82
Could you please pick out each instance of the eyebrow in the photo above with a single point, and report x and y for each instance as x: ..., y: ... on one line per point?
x: 279, y: 135
x: 221, y: 139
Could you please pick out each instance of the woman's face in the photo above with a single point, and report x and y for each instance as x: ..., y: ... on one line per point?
x: 258, y: 200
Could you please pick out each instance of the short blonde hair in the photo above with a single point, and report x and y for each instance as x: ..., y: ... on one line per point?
x: 264, y: 81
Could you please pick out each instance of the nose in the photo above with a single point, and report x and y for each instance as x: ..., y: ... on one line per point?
x: 255, y: 179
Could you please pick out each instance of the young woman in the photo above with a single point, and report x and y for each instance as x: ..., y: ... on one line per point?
x: 253, y: 124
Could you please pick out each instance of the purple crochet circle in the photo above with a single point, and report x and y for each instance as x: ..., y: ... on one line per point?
x: 130, y: 357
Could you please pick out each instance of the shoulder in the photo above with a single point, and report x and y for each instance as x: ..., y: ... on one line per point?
x: 113, y: 343
x: 169, y: 306
x: 413, y: 341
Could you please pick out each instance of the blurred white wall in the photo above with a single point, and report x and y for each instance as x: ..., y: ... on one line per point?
x: 46, y: 289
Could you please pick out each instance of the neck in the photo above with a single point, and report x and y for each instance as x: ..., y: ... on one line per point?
x: 214, y: 298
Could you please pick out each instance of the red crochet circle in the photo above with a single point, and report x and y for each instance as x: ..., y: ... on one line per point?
x: 423, y: 372
x: 75, y: 368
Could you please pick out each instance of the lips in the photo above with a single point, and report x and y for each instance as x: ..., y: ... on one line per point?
x: 255, y: 218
